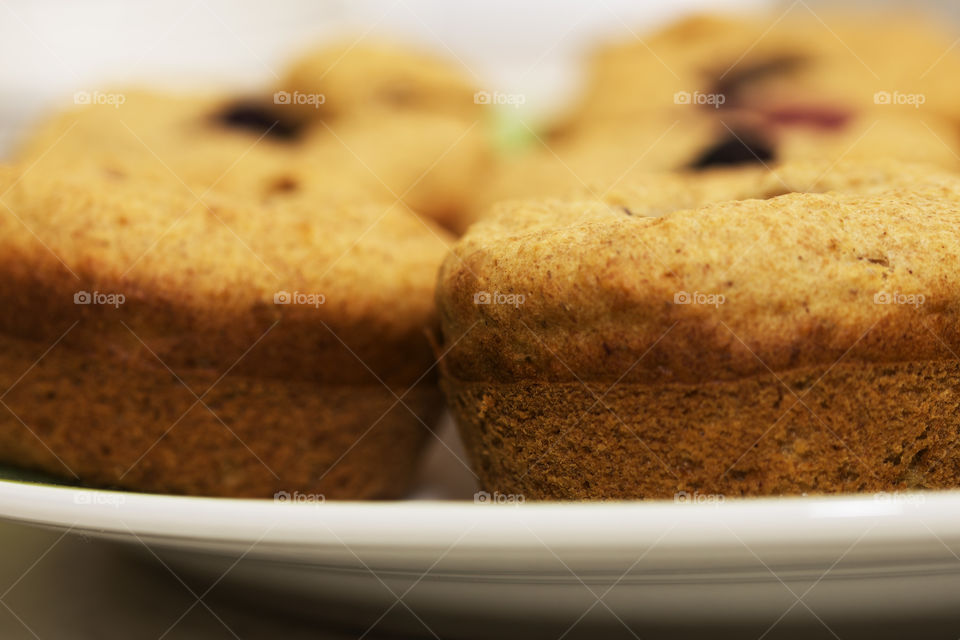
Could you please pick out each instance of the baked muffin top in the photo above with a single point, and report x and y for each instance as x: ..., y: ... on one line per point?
x: 200, y: 276
x: 692, y: 279
x: 611, y: 154
x: 354, y: 75
x: 255, y: 149
x: 792, y: 65
x: 723, y: 90
x: 249, y: 148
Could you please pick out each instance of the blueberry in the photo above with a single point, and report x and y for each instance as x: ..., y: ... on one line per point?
x: 259, y: 119
x: 735, y: 150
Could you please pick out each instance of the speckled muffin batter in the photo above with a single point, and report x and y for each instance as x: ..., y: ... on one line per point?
x: 797, y: 334
x: 158, y: 342
x: 330, y: 132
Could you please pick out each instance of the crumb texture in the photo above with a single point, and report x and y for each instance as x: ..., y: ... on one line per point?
x: 741, y: 278
x: 199, y: 382
x: 739, y: 333
x: 849, y: 428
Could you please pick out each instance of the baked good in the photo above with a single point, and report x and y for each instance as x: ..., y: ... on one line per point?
x: 406, y: 120
x: 277, y: 146
x: 357, y: 74
x: 432, y: 162
x: 157, y: 341
x: 762, y: 63
x: 697, y: 145
x: 224, y: 143
x: 713, y: 91
x: 801, y: 337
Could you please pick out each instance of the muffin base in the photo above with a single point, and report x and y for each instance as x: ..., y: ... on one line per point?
x: 858, y: 427
x: 128, y: 422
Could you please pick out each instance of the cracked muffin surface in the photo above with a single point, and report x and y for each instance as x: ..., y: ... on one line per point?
x: 697, y: 298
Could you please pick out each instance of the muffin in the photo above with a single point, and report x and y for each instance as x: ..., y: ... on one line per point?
x: 432, y: 162
x: 157, y: 341
x: 406, y: 120
x: 714, y: 91
x: 328, y: 132
x: 204, y: 142
x: 355, y: 75
x: 782, y: 332
x: 763, y: 63
x: 699, y: 145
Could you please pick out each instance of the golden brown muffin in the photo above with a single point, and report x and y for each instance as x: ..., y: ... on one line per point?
x: 431, y: 162
x: 256, y: 149
x: 238, y: 146
x: 794, y: 65
x: 799, y: 335
x: 407, y: 121
x: 714, y: 91
x: 158, y: 342
x: 350, y: 76
x: 609, y: 154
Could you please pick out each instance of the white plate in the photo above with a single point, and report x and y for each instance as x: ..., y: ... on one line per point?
x: 464, y: 566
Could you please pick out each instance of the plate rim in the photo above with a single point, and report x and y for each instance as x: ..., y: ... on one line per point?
x: 810, y: 520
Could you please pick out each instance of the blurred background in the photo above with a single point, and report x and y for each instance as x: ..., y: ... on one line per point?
x: 55, y: 48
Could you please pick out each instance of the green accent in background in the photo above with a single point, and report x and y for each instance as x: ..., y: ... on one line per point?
x: 510, y: 134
